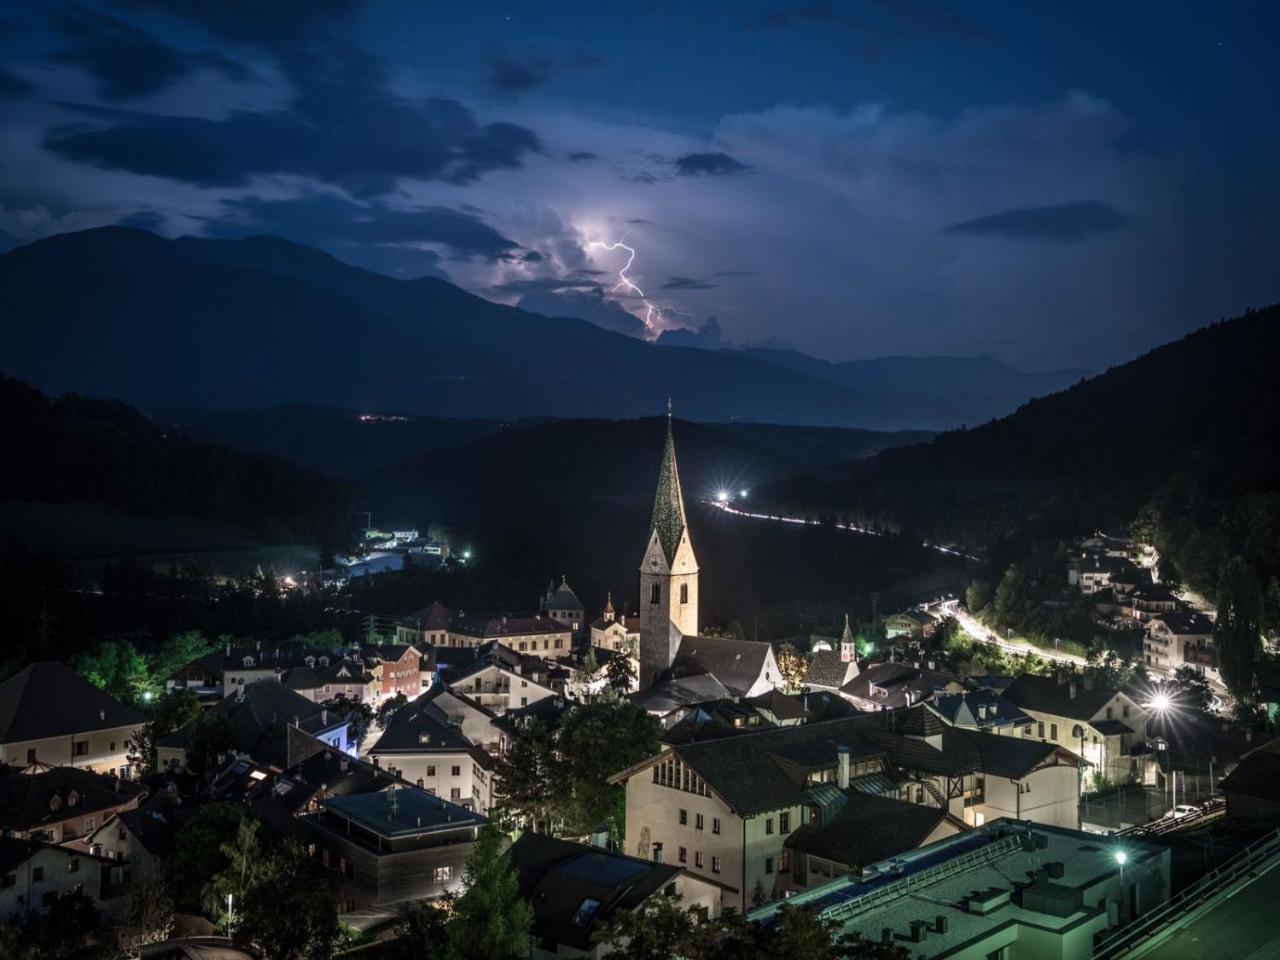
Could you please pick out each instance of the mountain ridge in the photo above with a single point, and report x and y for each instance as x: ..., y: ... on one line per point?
x: 263, y: 321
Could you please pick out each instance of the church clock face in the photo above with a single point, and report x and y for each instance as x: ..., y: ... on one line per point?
x: 653, y: 562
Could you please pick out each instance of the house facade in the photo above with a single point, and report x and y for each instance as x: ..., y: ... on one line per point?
x: 51, y: 715
x: 1107, y: 728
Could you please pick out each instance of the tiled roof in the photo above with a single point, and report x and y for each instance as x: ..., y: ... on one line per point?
x: 897, y: 680
x: 27, y: 798
x: 735, y: 663
x: 1003, y: 756
x: 967, y: 709
x: 562, y: 598
x: 868, y: 829
x: 826, y: 669
x: 414, y: 722
x: 435, y: 617
x: 1185, y: 622
x: 757, y: 772
x: 49, y: 699
x: 1047, y: 695
x: 492, y: 628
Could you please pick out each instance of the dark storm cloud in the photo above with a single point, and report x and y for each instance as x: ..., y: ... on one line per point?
x: 345, y: 126
x: 1065, y: 222
x: 687, y: 283
x: 513, y: 73
x: 590, y: 305
x: 126, y: 61
x: 143, y: 220
x: 707, y: 165
x: 582, y: 156
x: 273, y: 25
x: 520, y: 286
x: 332, y: 221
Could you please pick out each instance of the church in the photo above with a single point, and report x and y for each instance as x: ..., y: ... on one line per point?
x: 677, y: 666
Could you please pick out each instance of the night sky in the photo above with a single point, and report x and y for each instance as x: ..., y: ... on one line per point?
x: 1053, y: 184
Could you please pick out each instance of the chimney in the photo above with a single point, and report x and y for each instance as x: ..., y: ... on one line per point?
x: 102, y: 715
x: 228, y: 647
x: 842, y: 767
x: 1071, y: 689
x: 324, y: 714
x: 910, y: 697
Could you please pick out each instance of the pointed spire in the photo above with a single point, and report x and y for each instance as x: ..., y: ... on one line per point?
x: 668, y: 505
x: 847, y: 636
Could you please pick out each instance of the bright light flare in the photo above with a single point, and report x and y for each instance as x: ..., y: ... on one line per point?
x: 1160, y: 703
x: 1121, y: 857
x: 722, y: 496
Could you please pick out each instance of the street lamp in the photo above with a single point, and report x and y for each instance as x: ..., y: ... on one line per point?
x: 722, y: 496
x: 1121, y: 859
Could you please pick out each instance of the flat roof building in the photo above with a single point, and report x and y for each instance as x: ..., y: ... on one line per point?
x: 1010, y: 890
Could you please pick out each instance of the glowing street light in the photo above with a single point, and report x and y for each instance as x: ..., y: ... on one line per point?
x: 1161, y: 702
x: 743, y: 494
x: 1122, y: 858
x: 722, y: 496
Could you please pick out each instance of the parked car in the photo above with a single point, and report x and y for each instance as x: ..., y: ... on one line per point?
x: 1184, y: 810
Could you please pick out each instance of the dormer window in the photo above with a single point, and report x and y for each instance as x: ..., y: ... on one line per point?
x: 55, y: 803
x: 310, y: 662
x: 324, y: 661
x: 248, y: 661
x: 73, y: 798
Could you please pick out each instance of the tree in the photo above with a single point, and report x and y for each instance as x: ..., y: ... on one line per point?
x: 175, y: 653
x: 1237, y: 632
x: 117, y: 667
x: 661, y: 929
x: 245, y: 867
x: 420, y: 932
x: 387, y: 709
x: 210, y: 736
x: 597, y: 740
x: 524, y: 789
x: 977, y: 596
x: 1013, y: 596
x: 1191, y: 689
x: 620, y: 672
x: 490, y: 921
x: 197, y: 851
x: 170, y: 713
x: 67, y: 928
x: 146, y: 912
x: 793, y: 666
x: 287, y: 910
x: 357, y: 713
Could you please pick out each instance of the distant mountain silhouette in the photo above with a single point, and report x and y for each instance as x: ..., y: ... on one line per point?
x: 1204, y: 408
x: 948, y: 391
x: 347, y: 444
x: 74, y: 449
x: 123, y: 313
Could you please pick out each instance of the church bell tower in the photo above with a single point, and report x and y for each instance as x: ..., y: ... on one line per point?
x: 668, y: 574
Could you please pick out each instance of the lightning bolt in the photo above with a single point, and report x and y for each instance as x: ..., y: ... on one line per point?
x: 625, y: 282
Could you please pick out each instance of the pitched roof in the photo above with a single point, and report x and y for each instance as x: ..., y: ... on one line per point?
x: 435, y: 617
x: 868, y: 829
x: 897, y: 680
x: 573, y: 888
x: 763, y: 771
x: 714, y: 720
x: 1185, y: 622
x: 27, y: 799
x: 259, y: 719
x: 562, y: 598
x: 420, y: 727
x: 49, y: 699
x: 153, y: 828
x: 1012, y: 757
x: 735, y: 663
x: 669, y: 521
x: 978, y: 707
x: 827, y: 669
x: 1257, y: 776
x: 1070, y: 698
x: 493, y: 628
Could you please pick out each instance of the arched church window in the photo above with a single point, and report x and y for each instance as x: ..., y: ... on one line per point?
x: 655, y: 594
x: 684, y: 593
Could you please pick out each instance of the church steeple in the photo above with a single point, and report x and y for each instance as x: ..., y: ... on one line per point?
x: 668, y: 504
x: 668, y: 573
